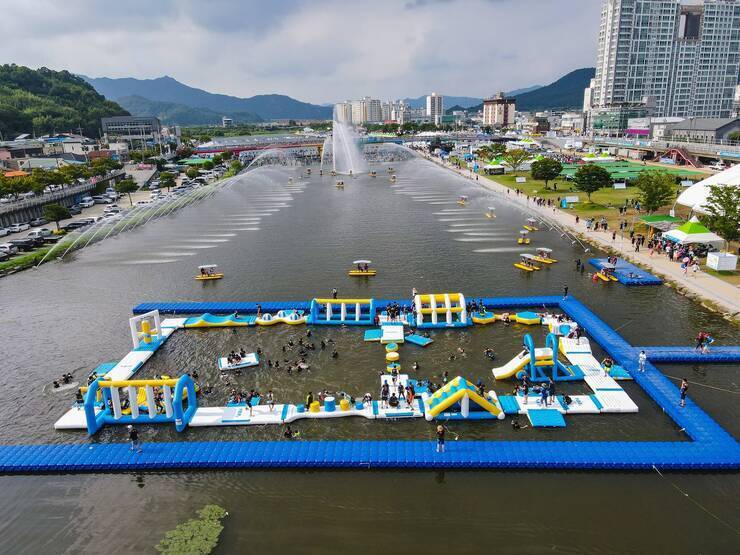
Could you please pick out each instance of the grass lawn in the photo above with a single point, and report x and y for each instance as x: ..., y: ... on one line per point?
x: 603, y: 203
x: 729, y: 277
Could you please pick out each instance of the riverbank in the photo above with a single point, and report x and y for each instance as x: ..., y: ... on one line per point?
x: 713, y: 293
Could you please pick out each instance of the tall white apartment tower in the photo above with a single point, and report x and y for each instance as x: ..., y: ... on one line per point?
x: 435, y: 108
x: 683, y: 54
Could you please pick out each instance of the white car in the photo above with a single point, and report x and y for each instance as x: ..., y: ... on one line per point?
x: 41, y: 232
x: 8, y: 248
x: 102, y: 199
x: 4, y: 231
x: 15, y: 228
x: 86, y: 202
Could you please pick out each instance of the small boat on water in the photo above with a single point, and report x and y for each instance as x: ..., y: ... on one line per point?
x: 544, y: 255
x: 208, y: 272
x: 373, y: 174
x: 523, y: 239
x: 530, y: 225
x: 249, y: 359
x: 491, y: 212
x: 340, y: 185
x: 363, y: 268
x: 607, y: 272
x: 462, y: 200
x: 526, y: 263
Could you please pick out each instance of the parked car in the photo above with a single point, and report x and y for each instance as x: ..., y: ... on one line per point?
x: 4, y: 231
x: 29, y: 194
x: 37, y: 222
x: 4, y: 256
x: 15, y: 228
x: 24, y: 245
x: 102, y: 199
x: 87, y: 202
x: 8, y: 248
x: 43, y: 233
x: 75, y: 210
x: 143, y: 202
x: 74, y: 225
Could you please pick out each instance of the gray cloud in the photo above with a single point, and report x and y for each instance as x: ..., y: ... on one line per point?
x: 314, y: 50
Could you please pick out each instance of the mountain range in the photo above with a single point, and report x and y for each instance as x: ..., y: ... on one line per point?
x: 177, y: 97
x: 564, y: 94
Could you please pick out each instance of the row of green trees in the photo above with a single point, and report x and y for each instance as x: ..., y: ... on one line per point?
x: 40, y: 178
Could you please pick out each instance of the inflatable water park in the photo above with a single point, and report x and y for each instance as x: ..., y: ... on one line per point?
x: 115, y: 396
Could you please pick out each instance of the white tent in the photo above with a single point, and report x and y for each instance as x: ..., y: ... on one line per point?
x: 692, y: 232
x: 695, y: 197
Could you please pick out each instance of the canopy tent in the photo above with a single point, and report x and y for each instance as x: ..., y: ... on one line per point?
x: 695, y: 197
x: 662, y: 222
x: 692, y: 232
x: 194, y: 161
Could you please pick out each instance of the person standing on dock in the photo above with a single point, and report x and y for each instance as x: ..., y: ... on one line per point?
x: 565, y: 292
x: 683, y: 389
x: 440, y: 439
x: 133, y: 436
x: 334, y: 293
x: 641, y: 360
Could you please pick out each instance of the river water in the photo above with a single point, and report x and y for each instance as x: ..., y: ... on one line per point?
x: 280, y: 235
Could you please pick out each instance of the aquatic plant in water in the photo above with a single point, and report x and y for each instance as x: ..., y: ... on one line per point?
x: 196, y: 535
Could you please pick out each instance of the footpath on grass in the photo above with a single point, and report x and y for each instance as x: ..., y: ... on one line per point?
x: 720, y: 294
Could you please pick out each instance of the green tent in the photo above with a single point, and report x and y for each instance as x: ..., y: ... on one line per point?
x: 194, y: 161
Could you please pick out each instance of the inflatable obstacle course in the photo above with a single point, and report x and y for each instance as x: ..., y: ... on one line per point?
x: 441, y: 310
x: 338, y: 312
x: 459, y: 399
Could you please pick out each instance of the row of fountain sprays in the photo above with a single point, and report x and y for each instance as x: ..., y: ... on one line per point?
x: 134, y: 217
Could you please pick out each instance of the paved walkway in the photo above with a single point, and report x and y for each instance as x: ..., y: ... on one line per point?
x: 708, y: 287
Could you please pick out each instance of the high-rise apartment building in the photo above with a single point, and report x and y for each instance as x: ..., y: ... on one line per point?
x: 680, y: 57
x: 499, y: 110
x: 435, y: 108
x: 343, y: 111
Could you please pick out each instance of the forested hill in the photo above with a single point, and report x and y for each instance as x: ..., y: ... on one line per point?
x: 44, y: 101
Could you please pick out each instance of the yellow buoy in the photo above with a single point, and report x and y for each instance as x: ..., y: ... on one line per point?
x: 392, y: 356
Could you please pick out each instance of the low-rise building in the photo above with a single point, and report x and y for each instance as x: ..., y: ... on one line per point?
x: 703, y: 130
x: 138, y: 130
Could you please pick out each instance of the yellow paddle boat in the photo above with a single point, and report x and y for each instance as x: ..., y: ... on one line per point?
x: 333, y: 173
x: 390, y: 169
x: 208, y: 272
x: 526, y: 263
x: 530, y: 225
x: 523, y: 239
x: 393, y: 178
x: 363, y: 269
x: 462, y: 200
x: 544, y: 255
x: 373, y: 174
x: 340, y: 185
x: 607, y: 272
x: 491, y: 212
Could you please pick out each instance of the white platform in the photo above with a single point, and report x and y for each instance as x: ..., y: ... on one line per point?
x: 391, y: 334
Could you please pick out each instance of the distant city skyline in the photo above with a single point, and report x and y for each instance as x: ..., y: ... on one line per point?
x: 318, y: 51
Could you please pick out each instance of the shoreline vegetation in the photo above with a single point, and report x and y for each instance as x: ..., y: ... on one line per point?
x: 714, y: 293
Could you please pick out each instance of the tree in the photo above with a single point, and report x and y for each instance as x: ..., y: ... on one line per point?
x: 657, y: 188
x: 55, y: 213
x: 217, y: 159
x: 546, y: 169
x: 226, y: 154
x: 208, y: 165
x: 126, y: 187
x: 235, y: 167
x: 497, y: 149
x: 192, y: 173
x: 166, y: 179
x: 723, y: 211
x: 102, y: 166
x: 515, y: 158
x: 590, y: 178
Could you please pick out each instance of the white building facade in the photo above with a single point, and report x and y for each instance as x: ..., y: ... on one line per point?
x: 683, y: 57
x: 435, y: 108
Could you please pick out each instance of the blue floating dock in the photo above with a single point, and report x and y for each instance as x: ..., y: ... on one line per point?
x: 509, y: 403
x: 419, y: 340
x: 546, y: 418
x: 711, y: 447
x: 680, y: 354
x: 373, y: 335
x: 627, y: 273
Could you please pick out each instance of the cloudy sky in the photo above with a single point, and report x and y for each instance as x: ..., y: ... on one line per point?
x: 314, y: 50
